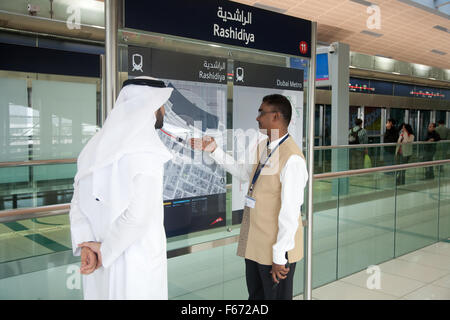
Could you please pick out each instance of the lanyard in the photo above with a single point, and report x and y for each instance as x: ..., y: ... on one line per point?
x: 260, y: 167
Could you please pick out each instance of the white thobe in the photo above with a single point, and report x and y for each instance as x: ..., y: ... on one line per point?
x: 293, y: 178
x: 133, y: 245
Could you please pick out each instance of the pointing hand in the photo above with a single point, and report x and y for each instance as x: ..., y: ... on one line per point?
x: 206, y: 143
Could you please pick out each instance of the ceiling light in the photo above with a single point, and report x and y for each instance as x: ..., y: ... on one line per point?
x: 441, y: 28
x: 439, y: 52
x: 270, y: 8
x: 85, y: 4
x: 422, y: 67
x: 381, y: 56
x: 363, y: 2
x: 372, y: 34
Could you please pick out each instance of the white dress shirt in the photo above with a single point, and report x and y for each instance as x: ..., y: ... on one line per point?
x: 293, y: 178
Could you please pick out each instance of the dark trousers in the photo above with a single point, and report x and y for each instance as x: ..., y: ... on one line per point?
x: 260, y: 283
x: 389, y: 158
x: 356, y: 158
x: 429, y: 171
x: 401, y: 174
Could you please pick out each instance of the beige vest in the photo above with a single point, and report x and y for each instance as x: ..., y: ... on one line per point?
x: 259, y: 228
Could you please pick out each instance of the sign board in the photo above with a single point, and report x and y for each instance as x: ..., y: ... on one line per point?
x: 220, y: 21
x: 194, y: 189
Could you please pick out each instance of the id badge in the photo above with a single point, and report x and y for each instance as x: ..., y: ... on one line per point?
x: 250, y: 202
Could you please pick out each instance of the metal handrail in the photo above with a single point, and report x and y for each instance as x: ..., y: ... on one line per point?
x: 349, y: 173
x: 26, y: 213
x: 37, y: 212
x: 374, y: 145
x: 36, y: 162
x: 346, y: 146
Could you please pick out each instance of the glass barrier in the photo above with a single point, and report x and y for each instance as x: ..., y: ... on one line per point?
x: 366, y: 222
x: 384, y: 215
x: 36, y: 186
x: 359, y: 221
x: 335, y: 159
x: 43, y: 117
x: 34, y: 237
x: 325, y: 232
x: 417, y: 210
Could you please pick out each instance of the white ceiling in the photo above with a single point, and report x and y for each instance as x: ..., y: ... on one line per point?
x: 407, y: 32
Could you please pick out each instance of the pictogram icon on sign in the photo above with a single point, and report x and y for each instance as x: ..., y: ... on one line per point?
x: 303, y: 47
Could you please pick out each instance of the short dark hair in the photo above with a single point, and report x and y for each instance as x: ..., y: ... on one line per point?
x: 441, y: 121
x: 391, y: 121
x: 408, y: 128
x: 358, y: 122
x: 280, y: 104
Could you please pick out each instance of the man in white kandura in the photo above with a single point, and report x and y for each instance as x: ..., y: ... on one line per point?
x: 116, y: 215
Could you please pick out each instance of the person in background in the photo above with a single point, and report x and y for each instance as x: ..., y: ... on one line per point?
x: 430, y: 149
x: 442, y: 148
x: 390, y: 136
x: 403, y: 151
x: 357, y: 135
x: 442, y: 130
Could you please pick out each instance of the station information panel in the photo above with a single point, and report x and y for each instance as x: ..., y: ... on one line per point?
x: 252, y: 82
x: 194, y: 188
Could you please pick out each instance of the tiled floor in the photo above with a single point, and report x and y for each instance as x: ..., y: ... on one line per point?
x: 421, y: 275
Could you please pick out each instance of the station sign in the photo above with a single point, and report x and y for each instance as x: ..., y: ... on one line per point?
x: 222, y: 21
x: 176, y: 65
x: 265, y: 76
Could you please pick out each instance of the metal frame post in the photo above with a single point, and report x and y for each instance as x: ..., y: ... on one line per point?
x: 111, y: 52
x: 419, y: 121
x: 321, y: 125
x: 103, y: 90
x: 433, y: 116
x: 361, y: 114
x: 311, y: 105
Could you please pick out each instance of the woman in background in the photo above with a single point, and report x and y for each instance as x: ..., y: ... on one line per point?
x: 404, y: 148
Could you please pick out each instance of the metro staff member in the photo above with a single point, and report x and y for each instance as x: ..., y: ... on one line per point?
x: 271, y: 237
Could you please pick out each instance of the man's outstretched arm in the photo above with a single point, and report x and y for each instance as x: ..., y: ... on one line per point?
x: 242, y: 171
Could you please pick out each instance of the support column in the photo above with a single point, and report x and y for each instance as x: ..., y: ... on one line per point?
x: 340, y: 100
x: 111, y: 53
